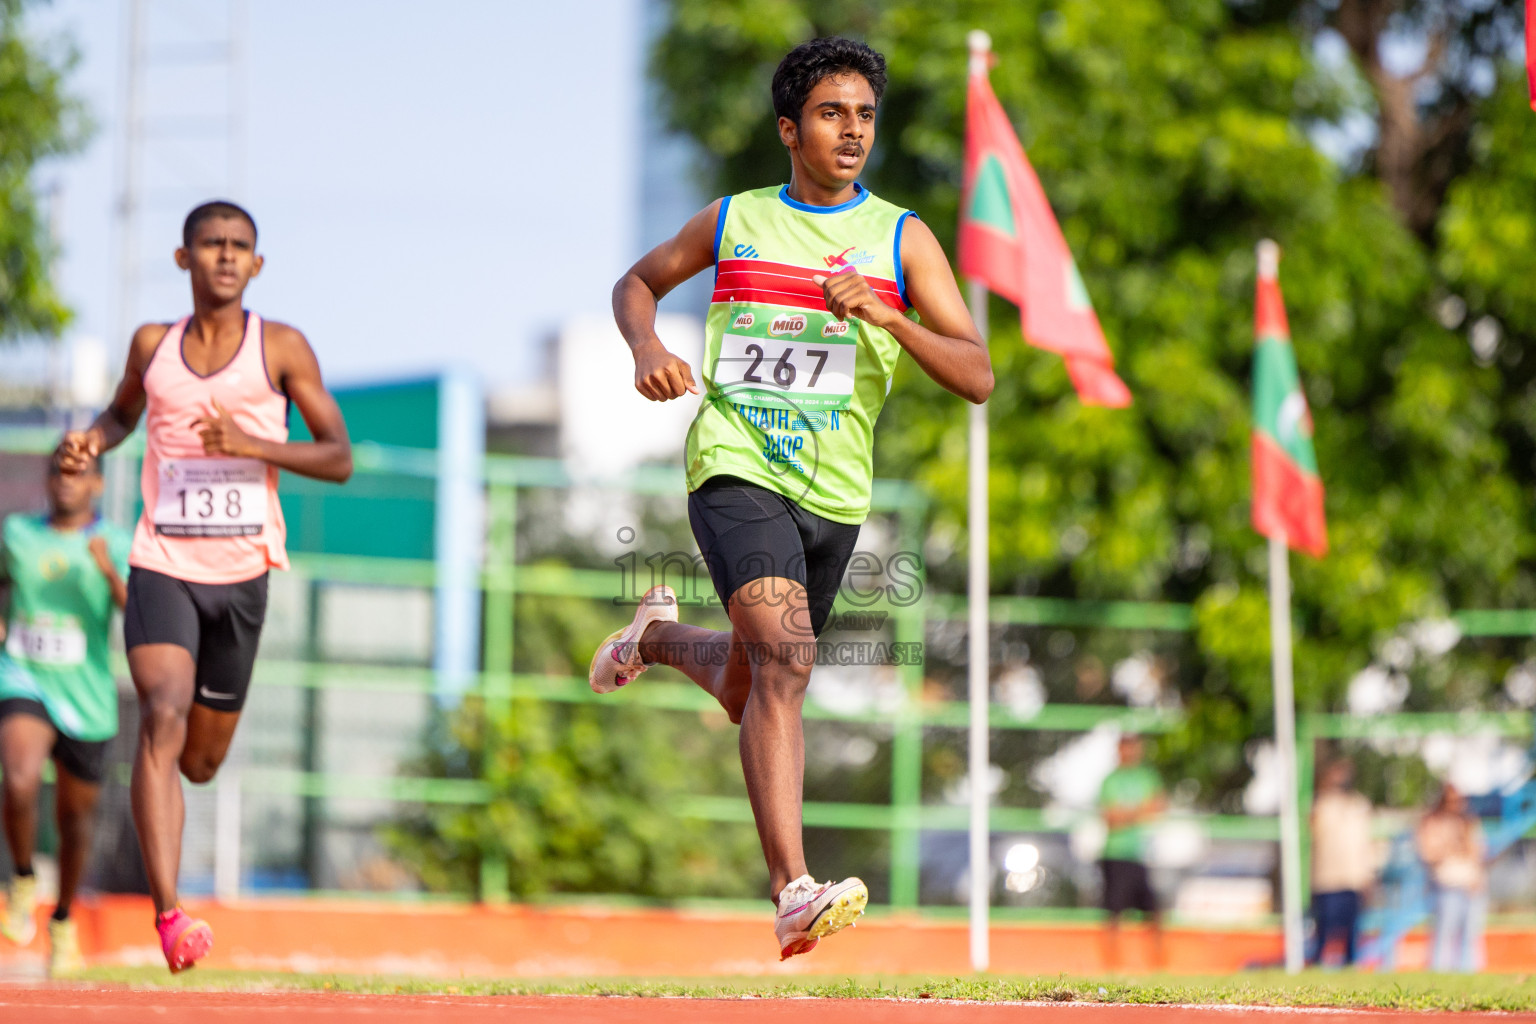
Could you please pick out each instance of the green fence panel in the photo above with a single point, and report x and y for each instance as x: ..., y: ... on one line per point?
x: 905, y: 818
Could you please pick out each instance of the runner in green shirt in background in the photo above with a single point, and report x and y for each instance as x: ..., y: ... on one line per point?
x: 64, y: 571
x: 1130, y: 798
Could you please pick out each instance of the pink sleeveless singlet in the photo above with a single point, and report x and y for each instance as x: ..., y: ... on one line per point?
x: 209, y: 519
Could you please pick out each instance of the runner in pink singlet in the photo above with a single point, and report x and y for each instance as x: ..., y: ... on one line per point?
x: 215, y: 387
x: 209, y: 519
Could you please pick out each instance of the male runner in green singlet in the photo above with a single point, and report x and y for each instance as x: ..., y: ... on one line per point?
x: 815, y: 286
x: 65, y: 573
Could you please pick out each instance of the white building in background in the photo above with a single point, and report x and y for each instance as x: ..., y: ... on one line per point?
x: 606, y: 426
x: 584, y: 407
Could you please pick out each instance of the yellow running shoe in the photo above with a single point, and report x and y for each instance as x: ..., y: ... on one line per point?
x: 20, y: 924
x: 64, y: 957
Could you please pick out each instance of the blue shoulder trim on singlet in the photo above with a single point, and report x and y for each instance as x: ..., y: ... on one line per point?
x: 860, y: 194
x: 725, y: 204
x: 901, y: 277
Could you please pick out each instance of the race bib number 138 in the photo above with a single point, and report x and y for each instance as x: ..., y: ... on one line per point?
x: 800, y: 360
x: 211, y: 498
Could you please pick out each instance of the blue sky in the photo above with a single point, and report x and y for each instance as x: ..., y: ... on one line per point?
x: 433, y: 183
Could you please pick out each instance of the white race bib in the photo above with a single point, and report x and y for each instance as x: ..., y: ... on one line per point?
x: 211, y: 498
x: 62, y: 644
x: 790, y: 360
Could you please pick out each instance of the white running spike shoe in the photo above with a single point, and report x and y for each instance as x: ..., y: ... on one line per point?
x: 809, y: 911
x: 617, y: 660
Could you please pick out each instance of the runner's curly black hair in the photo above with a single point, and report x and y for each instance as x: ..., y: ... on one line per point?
x: 812, y: 62
x: 215, y: 208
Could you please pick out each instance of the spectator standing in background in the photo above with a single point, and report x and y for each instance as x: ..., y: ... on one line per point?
x: 1343, y: 860
x: 1130, y: 799
x: 1450, y: 841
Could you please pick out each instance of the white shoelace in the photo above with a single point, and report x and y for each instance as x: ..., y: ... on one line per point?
x: 798, y: 893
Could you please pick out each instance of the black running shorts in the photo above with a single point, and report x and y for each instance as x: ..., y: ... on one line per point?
x: 747, y: 532
x: 1127, y: 886
x: 219, y: 624
x: 84, y: 759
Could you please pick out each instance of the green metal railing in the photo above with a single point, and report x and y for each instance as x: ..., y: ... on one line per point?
x: 503, y: 579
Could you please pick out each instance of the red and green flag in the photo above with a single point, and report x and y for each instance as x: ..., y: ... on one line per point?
x: 1010, y: 241
x: 1287, y: 492
x: 1530, y: 48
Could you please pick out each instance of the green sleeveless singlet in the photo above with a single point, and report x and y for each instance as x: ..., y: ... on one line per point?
x: 791, y: 393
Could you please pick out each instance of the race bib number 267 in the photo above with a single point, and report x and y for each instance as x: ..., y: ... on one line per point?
x: 211, y: 498
x: 801, y: 360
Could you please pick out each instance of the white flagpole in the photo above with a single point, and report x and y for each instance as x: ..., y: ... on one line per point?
x: 978, y: 675
x: 1285, y: 709
x: 1285, y: 750
x: 978, y: 597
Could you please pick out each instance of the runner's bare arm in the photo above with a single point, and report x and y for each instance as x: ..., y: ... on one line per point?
x: 122, y: 414
x: 296, y: 372
x: 103, y: 559
x: 660, y: 375
x: 946, y: 344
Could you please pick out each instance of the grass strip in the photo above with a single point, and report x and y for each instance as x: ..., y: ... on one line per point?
x: 1338, y: 989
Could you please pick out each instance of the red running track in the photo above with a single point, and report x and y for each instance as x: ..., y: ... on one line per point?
x: 77, y: 1005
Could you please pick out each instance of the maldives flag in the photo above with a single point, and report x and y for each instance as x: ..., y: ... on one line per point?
x: 1530, y: 48
x: 1009, y: 240
x: 1287, y: 492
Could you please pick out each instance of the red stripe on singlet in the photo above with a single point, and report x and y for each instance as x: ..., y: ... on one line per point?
x: 783, y: 284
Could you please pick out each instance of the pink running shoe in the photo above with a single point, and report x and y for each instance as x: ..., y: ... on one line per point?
x: 617, y: 660
x: 184, y: 940
x: 810, y: 911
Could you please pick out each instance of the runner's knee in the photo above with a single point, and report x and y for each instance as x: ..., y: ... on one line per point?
x: 199, y: 766
x: 162, y: 725
x: 783, y: 670
x: 734, y: 700
x: 75, y: 819
x: 75, y: 800
x: 23, y: 781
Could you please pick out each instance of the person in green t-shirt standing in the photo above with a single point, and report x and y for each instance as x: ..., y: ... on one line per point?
x: 64, y: 572
x: 1130, y: 798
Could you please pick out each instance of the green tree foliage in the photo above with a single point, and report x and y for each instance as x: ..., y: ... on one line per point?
x: 584, y: 797
x: 1487, y: 253
x: 1424, y: 109
x: 38, y: 119
x: 1171, y: 135
x: 583, y: 802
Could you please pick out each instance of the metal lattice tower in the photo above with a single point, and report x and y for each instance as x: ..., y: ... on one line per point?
x: 183, y: 137
x: 183, y: 131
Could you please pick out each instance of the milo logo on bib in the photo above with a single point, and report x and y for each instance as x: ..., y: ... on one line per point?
x: 787, y: 359
x: 787, y: 326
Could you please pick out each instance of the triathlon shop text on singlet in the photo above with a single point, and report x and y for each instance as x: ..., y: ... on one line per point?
x: 209, y: 518
x: 791, y: 392
x: 61, y: 611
